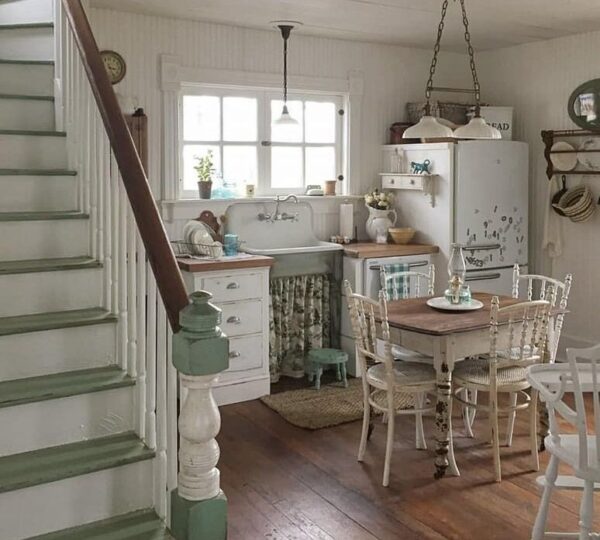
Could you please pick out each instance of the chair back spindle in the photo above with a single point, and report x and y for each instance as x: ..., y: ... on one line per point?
x: 407, y: 284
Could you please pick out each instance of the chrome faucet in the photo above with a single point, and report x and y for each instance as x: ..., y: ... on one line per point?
x: 276, y: 215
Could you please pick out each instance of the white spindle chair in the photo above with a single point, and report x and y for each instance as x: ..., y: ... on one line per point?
x: 579, y: 451
x: 536, y: 287
x: 408, y: 284
x: 382, y: 377
x: 503, y: 370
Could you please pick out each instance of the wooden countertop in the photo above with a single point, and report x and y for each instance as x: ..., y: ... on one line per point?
x: 369, y: 250
x: 210, y: 265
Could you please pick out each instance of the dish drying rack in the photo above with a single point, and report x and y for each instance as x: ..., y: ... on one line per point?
x: 199, y: 251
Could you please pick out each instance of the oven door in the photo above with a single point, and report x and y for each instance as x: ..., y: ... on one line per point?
x: 372, y: 284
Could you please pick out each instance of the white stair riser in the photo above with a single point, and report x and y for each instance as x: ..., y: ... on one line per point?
x: 33, y: 152
x: 42, y: 292
x: 26, y: 114
x: 65, y: 420
x: 43, y: 239
x: 26, y: 79
x: 55, y: 351
x: 75, y: 501
x: 26, y: 11
x: 27, y: 44
x: 38, y: 193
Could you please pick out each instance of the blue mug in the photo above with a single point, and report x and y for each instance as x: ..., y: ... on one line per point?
x: 230, y: 244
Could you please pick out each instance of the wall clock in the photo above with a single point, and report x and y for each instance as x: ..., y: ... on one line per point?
x: 115, y: 65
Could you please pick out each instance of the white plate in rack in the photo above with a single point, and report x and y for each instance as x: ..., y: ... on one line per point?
x: 442, y: 304
x: 590, y: 161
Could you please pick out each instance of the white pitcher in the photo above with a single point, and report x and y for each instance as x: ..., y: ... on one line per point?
x: 379, y: 223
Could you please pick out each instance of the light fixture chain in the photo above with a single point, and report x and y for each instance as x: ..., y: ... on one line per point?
x: 471, y: 52
x: 285, y: 52
x: 434, y: 60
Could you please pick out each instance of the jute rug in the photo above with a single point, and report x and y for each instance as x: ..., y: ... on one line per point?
x: 332, y: 405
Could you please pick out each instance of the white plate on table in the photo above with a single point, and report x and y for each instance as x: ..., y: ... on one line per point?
x: 442, y: 304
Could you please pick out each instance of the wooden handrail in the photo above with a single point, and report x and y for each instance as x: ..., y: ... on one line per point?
x: 160, y: 254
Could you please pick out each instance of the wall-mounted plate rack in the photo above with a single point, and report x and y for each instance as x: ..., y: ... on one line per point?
x: 551, y: 136
x: 416, y: 182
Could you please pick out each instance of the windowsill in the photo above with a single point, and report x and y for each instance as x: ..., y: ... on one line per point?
x: 190, y: 208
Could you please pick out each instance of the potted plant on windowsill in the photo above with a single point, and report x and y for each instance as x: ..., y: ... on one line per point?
x: 205, y: 170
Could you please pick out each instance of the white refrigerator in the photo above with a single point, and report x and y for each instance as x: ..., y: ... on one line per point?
x: 480, y: 199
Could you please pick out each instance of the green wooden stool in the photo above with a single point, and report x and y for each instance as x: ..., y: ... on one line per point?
x: 318, y: 358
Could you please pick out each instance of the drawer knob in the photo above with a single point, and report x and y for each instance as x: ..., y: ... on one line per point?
x: 392, y: 181
x: 412, y: 181
x: 235, y: 354
x: 233, y: 285
x: 234, y: 320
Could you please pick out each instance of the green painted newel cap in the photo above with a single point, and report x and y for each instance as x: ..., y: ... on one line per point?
x: 200, y: 348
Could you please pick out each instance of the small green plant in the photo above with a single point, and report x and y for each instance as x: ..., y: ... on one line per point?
x: 205, y: 167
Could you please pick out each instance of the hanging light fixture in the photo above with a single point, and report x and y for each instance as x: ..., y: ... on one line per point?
x: 285, y: 28
x: 430, y: 127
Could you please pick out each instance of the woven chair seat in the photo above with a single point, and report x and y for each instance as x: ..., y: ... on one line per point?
x: 406, y: 374
x: 477, y: 371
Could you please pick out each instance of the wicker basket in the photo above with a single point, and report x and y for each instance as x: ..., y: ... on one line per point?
x: 454, y: 112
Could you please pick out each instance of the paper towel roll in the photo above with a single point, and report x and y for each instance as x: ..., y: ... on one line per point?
x: 347, y: 220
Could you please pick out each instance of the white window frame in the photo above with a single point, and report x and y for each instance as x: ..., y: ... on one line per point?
x: 263, y: 126
x: 175, y: 77
x: 219, y: 92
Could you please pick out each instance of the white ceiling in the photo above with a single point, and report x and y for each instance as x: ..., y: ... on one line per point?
x: 494, y: 23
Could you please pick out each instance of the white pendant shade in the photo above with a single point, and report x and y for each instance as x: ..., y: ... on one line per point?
x: 477, y: 128
x: 286, y: 118
x: 427, y: 128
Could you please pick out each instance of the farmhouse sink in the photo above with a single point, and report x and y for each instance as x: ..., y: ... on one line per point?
x: 261, y: 233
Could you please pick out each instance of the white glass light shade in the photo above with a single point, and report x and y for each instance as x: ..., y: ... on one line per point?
x: 285, y: 118
x: 427, y: 128
x: 477, y: 128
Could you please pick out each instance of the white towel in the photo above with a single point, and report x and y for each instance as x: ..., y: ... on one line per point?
x: 552, y: 242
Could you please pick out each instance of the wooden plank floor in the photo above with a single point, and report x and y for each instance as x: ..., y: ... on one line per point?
x: 284, y: 482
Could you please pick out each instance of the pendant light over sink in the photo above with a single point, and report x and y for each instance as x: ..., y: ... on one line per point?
x: 285, y: 27
x: 430, y: 127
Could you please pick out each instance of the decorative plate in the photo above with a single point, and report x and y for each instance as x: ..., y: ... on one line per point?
x: 590, y: 160
x: 563, y: 162
x: 442, y: 304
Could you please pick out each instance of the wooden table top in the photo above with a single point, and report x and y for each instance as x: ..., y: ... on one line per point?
x: 368, y: 250
x: 210, y: 265
x: 415, y: 315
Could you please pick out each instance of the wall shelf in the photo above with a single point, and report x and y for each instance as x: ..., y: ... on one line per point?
x: 415, y: 182
x: 550, y: 136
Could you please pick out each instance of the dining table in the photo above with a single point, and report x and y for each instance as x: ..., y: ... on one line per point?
x: 449, y: 337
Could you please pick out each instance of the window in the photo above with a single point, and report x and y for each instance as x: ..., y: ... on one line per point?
x: 248, y: 147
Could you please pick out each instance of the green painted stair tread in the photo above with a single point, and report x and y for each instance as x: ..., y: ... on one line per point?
x: 28, y: 469
x: 140, y: 525
x: 61, y: 385
x: 34, y: 132
x: 39, y: 322
x: 26, y: 96
x: 27, y: 62
x: 42, y: 216
x: 37, y: 172
x: 23, y: 26
x: 48, y: 265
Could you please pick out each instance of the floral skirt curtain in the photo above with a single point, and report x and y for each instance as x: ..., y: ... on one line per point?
x: 299, y: 321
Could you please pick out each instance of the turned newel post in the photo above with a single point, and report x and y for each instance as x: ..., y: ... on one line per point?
x: 200, y: 353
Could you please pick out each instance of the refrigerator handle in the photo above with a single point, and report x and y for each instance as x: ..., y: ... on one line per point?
x: 483, y: 277
x: 482, y: 247
x: 410, y: 265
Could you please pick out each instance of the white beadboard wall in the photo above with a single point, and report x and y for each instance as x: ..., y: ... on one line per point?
x: 537, y: 79
x: 392, y: 75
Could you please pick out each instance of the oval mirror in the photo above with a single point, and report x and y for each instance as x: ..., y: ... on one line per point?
x: 584, y: 105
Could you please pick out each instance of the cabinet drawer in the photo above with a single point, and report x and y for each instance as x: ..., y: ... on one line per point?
x: 234, y: 287
x: 242, y: 318
x: 390, y: 181
x: 245, y: 353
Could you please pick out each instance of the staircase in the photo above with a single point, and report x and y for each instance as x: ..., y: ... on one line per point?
x: 71, y: 464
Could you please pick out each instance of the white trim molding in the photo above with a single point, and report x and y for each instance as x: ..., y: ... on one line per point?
x: 174, y: 77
